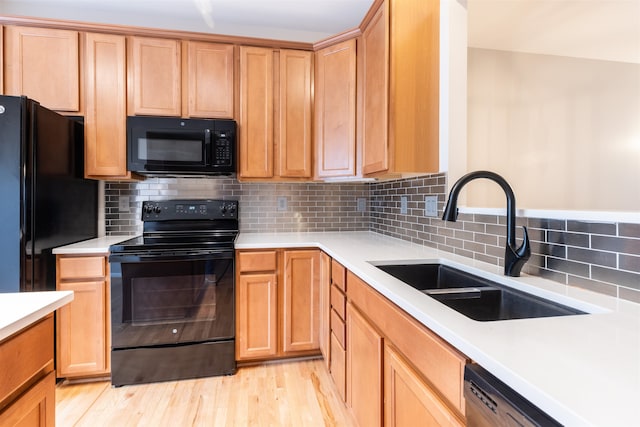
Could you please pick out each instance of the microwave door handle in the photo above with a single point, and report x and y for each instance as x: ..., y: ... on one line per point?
x: 208, y: 150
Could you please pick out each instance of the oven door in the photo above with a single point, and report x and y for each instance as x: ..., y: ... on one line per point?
x: 166, y: 299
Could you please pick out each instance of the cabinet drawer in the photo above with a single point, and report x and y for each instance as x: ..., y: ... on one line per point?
x: 256, y: 261
x: 338, y: 366
x: 338, y: 328
x: 338, y: 301
x: 81, y: 267
x: 30, y: 355
x: 338, y: 275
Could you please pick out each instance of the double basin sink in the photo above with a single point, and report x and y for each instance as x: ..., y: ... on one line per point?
x: 473, y: 296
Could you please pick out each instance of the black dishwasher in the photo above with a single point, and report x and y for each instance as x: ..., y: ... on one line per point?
x: 491, y: 403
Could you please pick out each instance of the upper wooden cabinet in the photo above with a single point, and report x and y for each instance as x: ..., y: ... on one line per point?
x: 43, y: 64
x: 155, y: 78
x: 173, y: 78
x: 209, y: 74
x: 105, y: 97
x: 400, y: 60
x: 275, y: 114
x: 335, y: 110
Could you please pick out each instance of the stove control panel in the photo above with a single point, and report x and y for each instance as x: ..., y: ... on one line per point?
x: 170, y: 210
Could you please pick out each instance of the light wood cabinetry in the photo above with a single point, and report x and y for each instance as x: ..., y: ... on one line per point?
x: 277, y: 304
x: 430, y: 384
x: 43, y: 64
x: 275, y: 113
x: 27, y: 383
x: 400, y: 60
x: 364, y: 369
x: 408, y: 398
x: 83, y: 326
x: 209, y: 80
x: 155, y: 79
x: 324, y: 332
x: 106, y: 101
x: 338, y: 329
x: 335, y: 110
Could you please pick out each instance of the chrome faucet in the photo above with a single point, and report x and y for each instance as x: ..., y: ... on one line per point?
x: 514, y: 259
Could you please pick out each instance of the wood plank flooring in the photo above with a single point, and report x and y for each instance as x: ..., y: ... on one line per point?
x: 298, y: 393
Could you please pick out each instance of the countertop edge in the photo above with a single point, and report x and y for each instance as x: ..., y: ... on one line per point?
x: 52, y: 303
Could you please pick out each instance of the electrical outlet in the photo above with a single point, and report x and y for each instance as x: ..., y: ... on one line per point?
x: 282, y: 203
x: 362, y: 204
x: 430, y: 205
x: 123, y: 204
x: 403, y: 205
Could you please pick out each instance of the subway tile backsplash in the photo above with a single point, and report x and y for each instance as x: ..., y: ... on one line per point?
x: 309, y: 206
x: 602, y: 257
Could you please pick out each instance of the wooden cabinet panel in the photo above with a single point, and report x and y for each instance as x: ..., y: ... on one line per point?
x: 256, y: 113
x: 338, y: 365
x: 338, y: 301
x: 408, y: 398
x: 209, y: 74
x: 300, y: 312
x: 43, y: 64
x: 155, y: 77
x: 364, y: 369
x: 375, y: 53
x: 82, y: 346
x: 29, y: 353
x: 35, y: 407
x: 335, y: 110
x: 325, y: 308
x: 81, y: 267
x: 295, y: 119
x: 338, y: 275
x: 256, y: 261
x: 338, y: 328
x: 105, y: 95
x: 83, y: 327
x: 256, y: 316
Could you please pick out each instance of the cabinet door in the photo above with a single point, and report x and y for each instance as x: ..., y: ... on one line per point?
x: 81, y: 330
x: 256, y: 316
x: 155, y: 77
x: 300, y: 313
x: 325, y: 308
x: 209, y: 80
x: 105, y: 120
x: 34, y: 408
x: 43, y: 64
x: 408, y: 398
x: 256, y: 112
x: 364, y: 370
x: 335, y: 110
x: 375, y: 52
x: 294, y: 110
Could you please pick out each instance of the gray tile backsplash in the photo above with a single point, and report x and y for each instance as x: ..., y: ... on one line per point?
x: 603, y: 257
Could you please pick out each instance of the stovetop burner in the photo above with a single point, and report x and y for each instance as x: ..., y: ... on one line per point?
x: 171, y: 225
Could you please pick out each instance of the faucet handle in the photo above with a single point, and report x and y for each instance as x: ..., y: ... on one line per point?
x: 514, y: 258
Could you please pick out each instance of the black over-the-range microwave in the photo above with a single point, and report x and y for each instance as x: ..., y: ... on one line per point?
x: 175, y: 146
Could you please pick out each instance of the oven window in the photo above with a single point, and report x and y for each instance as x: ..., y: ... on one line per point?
x: 156, y: 302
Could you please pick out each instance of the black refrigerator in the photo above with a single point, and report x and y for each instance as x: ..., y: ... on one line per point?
x: 45, y: 202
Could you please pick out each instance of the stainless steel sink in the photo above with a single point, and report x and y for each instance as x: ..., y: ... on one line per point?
x: 475, y: 297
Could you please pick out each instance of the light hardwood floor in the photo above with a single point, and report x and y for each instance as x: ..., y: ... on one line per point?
x: 296, y: 393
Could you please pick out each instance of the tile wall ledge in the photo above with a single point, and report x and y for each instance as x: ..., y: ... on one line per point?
x: 590, y: 216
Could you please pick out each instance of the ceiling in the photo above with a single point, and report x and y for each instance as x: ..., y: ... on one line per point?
x: 293, y: 20
x: 596, y: 29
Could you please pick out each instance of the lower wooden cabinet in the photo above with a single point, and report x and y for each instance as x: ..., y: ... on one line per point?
x: 83, y: 326
x: 27, y: 382
x: 364, y: 369
x: 277, y: 304
x: 408, y: 398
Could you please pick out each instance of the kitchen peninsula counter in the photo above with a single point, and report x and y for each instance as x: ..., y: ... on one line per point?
x: 21, y: 309
x: 580, y: 369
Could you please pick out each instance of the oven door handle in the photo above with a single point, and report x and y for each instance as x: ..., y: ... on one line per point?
x: 171, y: 256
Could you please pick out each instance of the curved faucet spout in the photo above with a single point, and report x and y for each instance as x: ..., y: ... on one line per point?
x: 515, y: 257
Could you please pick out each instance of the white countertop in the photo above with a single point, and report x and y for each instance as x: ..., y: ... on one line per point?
x: 98, y: 245
x: 20, y: 309
x: 582, y: 370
